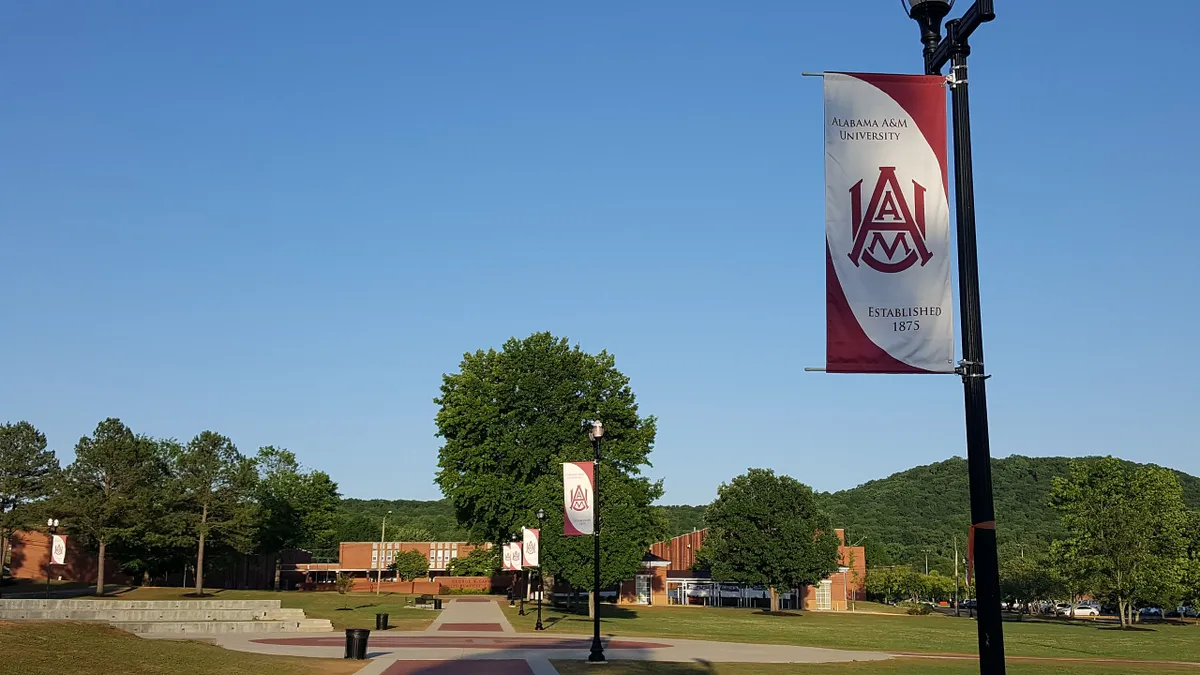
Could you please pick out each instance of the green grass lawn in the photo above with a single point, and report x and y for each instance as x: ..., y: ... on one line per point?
x: 54, y: 648
x: 913, y: 634
x: 316, y: 605
x: 893, y: 667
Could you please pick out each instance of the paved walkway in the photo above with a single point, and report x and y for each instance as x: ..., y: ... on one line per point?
x: 475, y: 629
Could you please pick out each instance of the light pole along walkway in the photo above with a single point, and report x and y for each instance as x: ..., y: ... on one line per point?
x: 470, y: 630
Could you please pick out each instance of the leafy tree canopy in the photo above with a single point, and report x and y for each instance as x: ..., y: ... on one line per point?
x: 410, y: 564
x: 768, y: 530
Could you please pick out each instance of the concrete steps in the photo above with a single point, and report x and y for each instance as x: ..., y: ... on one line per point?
x: 166, y: 617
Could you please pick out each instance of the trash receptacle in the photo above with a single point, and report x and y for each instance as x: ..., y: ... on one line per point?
x: 356, y: 643
x: 381, y: 621
x: 437, y: 603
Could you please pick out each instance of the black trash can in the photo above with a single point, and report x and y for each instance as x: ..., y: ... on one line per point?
x: 381, y: 621
x: 356, y: 643
x: 437, y: 603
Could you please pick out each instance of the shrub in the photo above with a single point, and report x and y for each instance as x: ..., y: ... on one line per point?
x: 466, y: 591
x: 915, y: 608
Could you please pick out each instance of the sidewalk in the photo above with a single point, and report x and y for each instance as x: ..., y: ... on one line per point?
x: 475, y: 629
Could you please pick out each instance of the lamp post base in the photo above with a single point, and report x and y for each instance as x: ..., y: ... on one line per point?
x: 597, y: 655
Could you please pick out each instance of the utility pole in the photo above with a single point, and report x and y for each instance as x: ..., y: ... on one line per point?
x: 956, y: 601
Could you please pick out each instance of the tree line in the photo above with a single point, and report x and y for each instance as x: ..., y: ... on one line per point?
x: 1127, y: 538
x: 154, y: 504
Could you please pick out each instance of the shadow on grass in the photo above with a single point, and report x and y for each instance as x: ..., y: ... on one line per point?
x: 767, y: 612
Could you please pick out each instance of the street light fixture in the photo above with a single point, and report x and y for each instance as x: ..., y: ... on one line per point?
x: 541, y: 517
x: 52, y: 528
x: 939, y: 51
x: 595, y: 433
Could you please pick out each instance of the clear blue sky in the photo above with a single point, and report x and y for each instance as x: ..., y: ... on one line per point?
x: 284, y: 221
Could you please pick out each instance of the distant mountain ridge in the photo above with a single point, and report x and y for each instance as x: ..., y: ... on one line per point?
x: 899, y: 519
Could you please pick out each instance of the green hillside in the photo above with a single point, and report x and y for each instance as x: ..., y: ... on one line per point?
x: 920, y: 511
x: 360, y: 519
x: 899, y: 519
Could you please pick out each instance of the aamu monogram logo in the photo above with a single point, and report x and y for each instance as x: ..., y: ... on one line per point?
x: 888, y: 235
x: 579, y: 499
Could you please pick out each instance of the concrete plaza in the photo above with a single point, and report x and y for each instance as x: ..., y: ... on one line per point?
x: 473, y: 636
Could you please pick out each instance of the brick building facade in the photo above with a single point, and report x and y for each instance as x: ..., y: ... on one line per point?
x: 669, y: 577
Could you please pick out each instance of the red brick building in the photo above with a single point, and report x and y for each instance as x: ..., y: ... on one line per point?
x: 365, y: 558
x: 669, y: 577
x: 29, y: 555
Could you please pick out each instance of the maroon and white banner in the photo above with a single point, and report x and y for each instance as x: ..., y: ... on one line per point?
x: 578, y: 502
x: 58, y: 550
x: 529, y: 553
x: 512, y: 556
x: 887, y: 225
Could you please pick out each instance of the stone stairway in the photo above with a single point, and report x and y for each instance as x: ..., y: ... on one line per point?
x: 171, y: 616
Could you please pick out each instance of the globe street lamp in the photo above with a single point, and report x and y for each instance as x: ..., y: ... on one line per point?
x: 52, y: 528
x: 541, y: 517
x: 939, y: 51
x: 595, y: 433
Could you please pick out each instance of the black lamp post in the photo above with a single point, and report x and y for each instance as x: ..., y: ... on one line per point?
x: 541, y: 517
x: 512, y: 589
x: 595, y: 433
x: 954, y: 49
x: 52, y: 528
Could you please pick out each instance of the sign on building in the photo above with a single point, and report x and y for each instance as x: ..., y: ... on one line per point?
x: 578, y: 498
x: 887, y: 225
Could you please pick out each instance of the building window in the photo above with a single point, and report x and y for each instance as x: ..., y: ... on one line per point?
x: 824, y: 601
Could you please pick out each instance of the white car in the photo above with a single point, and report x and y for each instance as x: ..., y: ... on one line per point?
x: 1086, y: 610
x: 1062, y: 609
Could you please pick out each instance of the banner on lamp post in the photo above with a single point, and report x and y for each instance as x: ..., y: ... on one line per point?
x: 578, y: 498
x: 512, y: 556
x: 529, y: 552
x: 58, y: 549
x: 887, y: 225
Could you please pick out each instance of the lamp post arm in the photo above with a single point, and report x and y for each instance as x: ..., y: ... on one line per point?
x: 958, y: 31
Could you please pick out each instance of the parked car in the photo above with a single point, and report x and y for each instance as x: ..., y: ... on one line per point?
x: 1062, y: 609
x: 1086, y: 610
x: 1150, y: 612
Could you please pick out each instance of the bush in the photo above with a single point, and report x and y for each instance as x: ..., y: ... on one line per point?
x: 915, y: 608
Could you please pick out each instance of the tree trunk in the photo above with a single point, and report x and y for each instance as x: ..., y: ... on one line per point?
x: 592, y: 596
x: 774, y: 600
x: 1121, y: 611
x: 100, y: 568
x: 145, y: 577
x: 200, y: 554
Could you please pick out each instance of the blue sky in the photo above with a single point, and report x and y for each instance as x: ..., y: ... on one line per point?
x: 285, y: 221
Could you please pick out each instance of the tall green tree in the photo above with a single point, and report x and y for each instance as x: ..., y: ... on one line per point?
x: 297, y: 508
x: 27, y: 471
x: 1027, y: 580
x: 108, y: 490
x: 510, y: 418
x: 1125, y: 526
x: 410, y: 564
x: 159, y: 540
x: 767, y: 530
x: 1191, y: 562
x: 480, y: 562
x: 217, y: 483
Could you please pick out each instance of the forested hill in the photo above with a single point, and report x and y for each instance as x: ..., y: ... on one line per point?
x: 908, y: 514
x: 898, y: 519
x: 414, y: 520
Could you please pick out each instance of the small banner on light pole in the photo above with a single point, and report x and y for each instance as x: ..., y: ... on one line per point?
x: 512, y: 556
x: 529, y: 553
x: 58, y: 550
x: 578, y: 498
x: 887, y: 225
